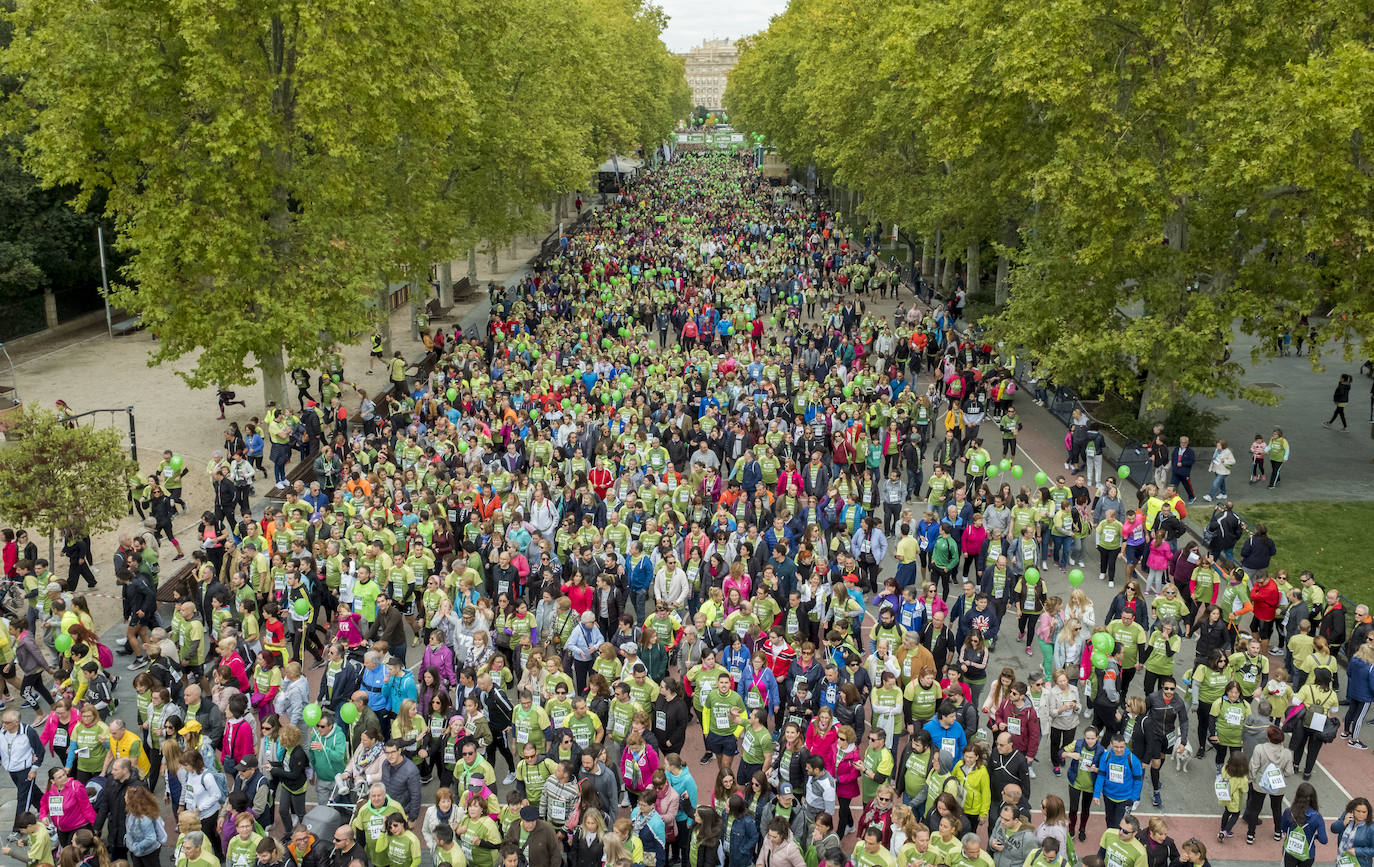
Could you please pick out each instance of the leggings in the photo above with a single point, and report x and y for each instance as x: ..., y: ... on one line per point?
x: 1303, y: 737
x: 289, y: 806
x: 1025, y: 624
x: 1106, y: 562
x: 844, y: 811
x: 1254, y: 802
x: 1228, y: 819
x: 208, y: 827
x: 1060, y: 738
x: 1274, y: 467
x: 1204, y: 719
x: 1075, y: 797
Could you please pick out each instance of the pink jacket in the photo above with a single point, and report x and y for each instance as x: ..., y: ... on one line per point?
x: 76, y: 806
x: 441, y: 657
x: 238, y: 739
x: 974, y: 537
x: 1159, y: 555
x: 50, y: 725
x: 646, y: 762
x: 792, y: 478
x: 847, y: 768
x: 822, y: 745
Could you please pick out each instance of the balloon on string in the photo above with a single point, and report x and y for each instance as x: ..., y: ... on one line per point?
x: 1005, y: 463
x: 349, y: 713
x: 63, y: 643
x: 1123, y: 472
x: 1016, y: 471
x: 1032, y: 576
x: 1100, y: 660
x: 1041, y: 478
x: 302, y: 607
x: 1104, y: 642
x: 176, y: 463
x: 1076, y: 577
x: 310, y: 714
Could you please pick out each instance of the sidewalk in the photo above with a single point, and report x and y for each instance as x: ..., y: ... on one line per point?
x: 89, y: 370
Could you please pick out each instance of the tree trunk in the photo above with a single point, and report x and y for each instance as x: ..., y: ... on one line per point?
x: 947, y: 279
x: 273, y: 378
x: 446, y: 283
x: 925, y: 258
x: 1163, y: 394
x: 934, y: 273
x: 472, y: 267
x: 973, y: 269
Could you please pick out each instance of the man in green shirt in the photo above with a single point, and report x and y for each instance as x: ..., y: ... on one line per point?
x: 872, y: 852
x: 877, y: 765
x: 1130, y: 640
x: 1119, y: 846
x: 722, y: 721
x: 369, y: 820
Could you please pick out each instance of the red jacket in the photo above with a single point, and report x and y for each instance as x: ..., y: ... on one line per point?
x: 1266, y: 598
x: 1025, y: 733
x: 847, y: 770
x: 780, y: 658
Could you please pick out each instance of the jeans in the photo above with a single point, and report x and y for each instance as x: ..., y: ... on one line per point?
x: 27, y: 794
x: 640, y: 600
x: 1218, y: 488
x: 1060, y: 547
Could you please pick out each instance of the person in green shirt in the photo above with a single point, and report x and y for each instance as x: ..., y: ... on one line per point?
x: 1161, y: 649
x: 529, y: 721
x: 1130, y: 640
x: 1109, y: 532
x: 369, y: 821
x: 872, y: 853
x: 1227, y: 723
x: 91, y: 743
x: 1209, y: 681
x: 877, y: 765
x: 478, y: 836
x: 532, y: 773
x: 1119, y: 846
x: 756, y: 746
x: 242, y: 850
x: 722, y: 715
x: 40, y: 853
x: 402, y: 847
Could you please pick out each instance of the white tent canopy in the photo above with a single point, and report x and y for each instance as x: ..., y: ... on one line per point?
x: 626, y: 164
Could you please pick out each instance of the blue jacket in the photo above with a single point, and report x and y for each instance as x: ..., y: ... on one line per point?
x: 373, y: 682
x: 1363, y: 842
x: 584, y: 642
x: 1360, y: 680
x: 686, y: 787
x: 1071, y: 772
x: 768, y: 682
x: 1313, y: 825
x: 399, y: 688
x: 877, y: 541
x: 938, y: 733
x: 1132, y: 775
x: 744, y: 839
x: 926, y: 534
x: 641, y: 574
x: 984, y: 621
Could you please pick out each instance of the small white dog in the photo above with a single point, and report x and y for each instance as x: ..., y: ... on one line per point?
x: 1181, y: 759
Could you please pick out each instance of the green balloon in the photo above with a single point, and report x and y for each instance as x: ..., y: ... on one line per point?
x: 63, y: 643
x: 1100, y: 660
x: 1016, y: 471
x: 1032, y: 576
x: 634, y: 358
x: 605, y: 343
x: 1104, y: 642
x: 1041, y: 478
x: 463, y: 447
x: 1076, y: 577
x: 349, y: 713
x: 848, y: 391
x: 992, y: 470
x: 176, y: 463
x: 1005, y: 463
x: 302, y: 607
x: 1123, y: 472
x: 310, y: 714
x: 451, y: 394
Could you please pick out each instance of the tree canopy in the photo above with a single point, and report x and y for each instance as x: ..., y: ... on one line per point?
x: 61, y: 479
x: 1150, y: 174
x: 269, y: 164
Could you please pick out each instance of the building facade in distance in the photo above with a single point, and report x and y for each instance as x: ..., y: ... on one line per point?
x: 707, y: 66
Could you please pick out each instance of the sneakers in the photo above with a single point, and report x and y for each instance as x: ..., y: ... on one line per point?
x: 1157, y: 800
x: 1359, y: 745
x: 1277, y: 836
x: 1346, y: 735
x: 141, y: 662
x: 1082, y: 833
x: 1327, y: 425
x: 1111, y: 583
x: 706, y: 758
x: 1250, y: 838
x: 1056, y: 770
x: 1207, y: 497
x: 1028, y: 650
x: 510, y: 778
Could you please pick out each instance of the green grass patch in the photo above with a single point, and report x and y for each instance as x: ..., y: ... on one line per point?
x: 1321, y: 536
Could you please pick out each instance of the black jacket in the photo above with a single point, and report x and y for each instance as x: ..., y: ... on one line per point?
x: 110, y: 809
x: 138, y: 595
x: 670, y: 723
x: 346, y: 682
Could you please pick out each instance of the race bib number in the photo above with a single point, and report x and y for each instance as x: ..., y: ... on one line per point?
x: 1108, y: 534
x: 1233, y: 716
x: 1296, y: 844
x: 1014, y: 726
x: 59, y: 738
x: 55, y: 807
x: 1273, y: 779
x: 1318, y: 721
x: 1223, y: 790
x: 1116, y: 773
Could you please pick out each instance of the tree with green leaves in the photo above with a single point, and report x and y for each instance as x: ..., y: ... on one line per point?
x: 60, y: 479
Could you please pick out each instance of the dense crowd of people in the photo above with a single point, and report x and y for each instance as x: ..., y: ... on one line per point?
x: 717, y: 497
